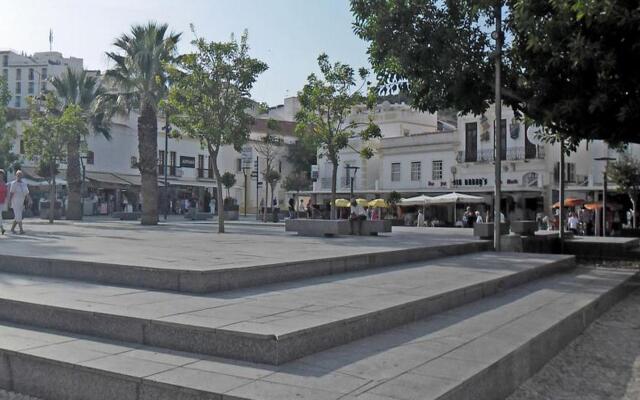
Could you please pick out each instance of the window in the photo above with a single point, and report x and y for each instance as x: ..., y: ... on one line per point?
x: 18, y: 74
x: 21, y: 146
x: 200, y: 166
x: 395, y: 172
x: 90, y: 157
x: 571, y: 172
x: 5, y: 74
x: 471, y: 142
x: 30, y: 90
x: 5, y: 60
x: 43, y: 74
x: 238, y: 164
x: 134, y: 162
x: 416, y: 168
x: 17, y: 102
x: 30, y: 74
x: 18, y: 87
x: 172, y: 163
x: 280, y: 166
x: 436, y: 170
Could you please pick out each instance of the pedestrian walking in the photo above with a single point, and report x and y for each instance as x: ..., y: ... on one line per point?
x: 3, y: 197
x: 479, y: 218
x: 18, y: 193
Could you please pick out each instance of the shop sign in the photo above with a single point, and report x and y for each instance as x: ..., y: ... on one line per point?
x: 471, y: 182
x: 187, y: 162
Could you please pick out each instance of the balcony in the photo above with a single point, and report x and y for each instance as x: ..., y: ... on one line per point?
x: 511, y: 154
x: 205, y: 173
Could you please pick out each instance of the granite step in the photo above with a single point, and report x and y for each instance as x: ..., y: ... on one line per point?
x: 275, y: 323
x: 478, y: 351
x: 225, y: 277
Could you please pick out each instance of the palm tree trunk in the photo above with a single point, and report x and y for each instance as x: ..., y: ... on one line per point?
x: 74, y: 180
x: 148, y: 164
x: 220, y: 203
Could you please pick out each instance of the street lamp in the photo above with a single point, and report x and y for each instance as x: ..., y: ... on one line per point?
x: 167, y: 129
x: 604, y: 191
x: 497, y: 134
x: 353, y: 177
x: 245, y: 170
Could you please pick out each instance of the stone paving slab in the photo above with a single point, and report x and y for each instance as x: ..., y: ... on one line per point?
x: 192, y: 258
x: 477, y: 351
x: 274, y: 323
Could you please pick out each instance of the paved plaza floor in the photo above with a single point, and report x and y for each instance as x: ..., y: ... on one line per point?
x: 180, y: 244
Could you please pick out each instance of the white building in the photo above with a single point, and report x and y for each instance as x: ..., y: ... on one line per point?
x: 27, y: 75
x: 419, y: 154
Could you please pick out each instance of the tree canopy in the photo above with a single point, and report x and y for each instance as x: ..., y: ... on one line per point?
x: 625, y: 173
x: 568, y: 65
x: 325, y: 114
x: 210, y: 94
x: 7, y: 130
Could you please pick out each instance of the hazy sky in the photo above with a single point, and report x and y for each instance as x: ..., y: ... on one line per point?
x: 287, y: 34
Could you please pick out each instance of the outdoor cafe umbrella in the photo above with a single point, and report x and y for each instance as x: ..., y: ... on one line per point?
x: 378, y: 203
x: 455, y: 198
x: 570, y: 202
x: 415, y: 201
x: 343, y: 203
x: 362, y: 202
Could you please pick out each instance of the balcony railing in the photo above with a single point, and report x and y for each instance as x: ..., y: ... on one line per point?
x: 171, y: 170
x: 205, y: 173
x: 511, y: 154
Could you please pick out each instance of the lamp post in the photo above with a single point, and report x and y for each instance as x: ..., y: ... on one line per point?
x: 355, y: 171
x: 604, y: 191
x: 497, y: 136
x: 83, y: 189
x: 245, y: 170
x: 167, y: 129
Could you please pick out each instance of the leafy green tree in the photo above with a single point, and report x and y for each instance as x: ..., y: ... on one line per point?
x: 7, y: 130
x: 625, y: 173
x: 296, y: 182
x: 228, y: 179
x: 569, y: 65
x: 579, y: 66
x: 211, y: 92
x: 48, y: 134
x: 78, y: 88
x: 324, y: 117
x: 302, y: 154
x: 270, y: 148
x: 140, y: 81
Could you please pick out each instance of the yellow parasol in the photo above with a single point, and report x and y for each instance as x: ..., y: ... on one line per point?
x: 362, y: 202
x: 378, y: 203
x: 343, y: 203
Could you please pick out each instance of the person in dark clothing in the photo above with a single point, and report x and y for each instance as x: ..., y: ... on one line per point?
x: 292, y: 208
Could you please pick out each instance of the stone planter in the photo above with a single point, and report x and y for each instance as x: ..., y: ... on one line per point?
x: 524, y: 228
x: 485, y: 230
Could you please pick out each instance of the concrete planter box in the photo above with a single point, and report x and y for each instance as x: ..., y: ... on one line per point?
x: 332, y: 227
x: 126, y: 216
x: 198, y: 216
x: 485, y: 230
x: 524, y: 228
x: 231, y: 215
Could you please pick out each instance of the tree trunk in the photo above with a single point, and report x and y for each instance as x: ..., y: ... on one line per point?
x: 334, y: 178
x: 633, y: 212
x: 148, y: 164
x: 74, y: 180
x: 214, y: 157
x: 52, y: 191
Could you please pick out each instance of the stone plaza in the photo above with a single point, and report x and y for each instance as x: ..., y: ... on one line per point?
x: 112, y: 310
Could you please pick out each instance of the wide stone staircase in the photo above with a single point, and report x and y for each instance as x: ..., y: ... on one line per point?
x: 448, y: 323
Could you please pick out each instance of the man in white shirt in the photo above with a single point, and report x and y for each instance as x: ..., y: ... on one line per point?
x: 18, y: 193
x: 572, y: 223
x: 358, y: 214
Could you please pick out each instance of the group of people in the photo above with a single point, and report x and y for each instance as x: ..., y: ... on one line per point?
x: 14, y: 194
x: 470, y: 217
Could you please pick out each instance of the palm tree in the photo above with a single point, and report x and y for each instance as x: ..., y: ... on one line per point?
x: 79, y: 88
x: 140, y: 80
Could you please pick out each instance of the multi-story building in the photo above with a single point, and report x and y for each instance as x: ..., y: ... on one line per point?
x: 28, y: 75
x: 436, y: 157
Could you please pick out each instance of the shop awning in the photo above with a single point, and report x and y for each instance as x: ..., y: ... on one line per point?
x: 106, y: 177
